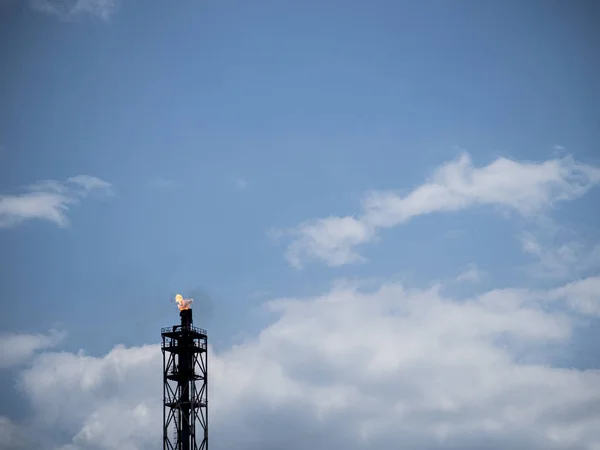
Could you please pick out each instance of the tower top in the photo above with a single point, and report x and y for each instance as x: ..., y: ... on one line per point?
x: 186, y: 317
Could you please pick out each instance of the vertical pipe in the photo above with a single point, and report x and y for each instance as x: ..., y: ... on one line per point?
x: 185, y: 400
x: 186, y: 376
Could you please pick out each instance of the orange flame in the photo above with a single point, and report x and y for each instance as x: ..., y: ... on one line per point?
x: 183, y: 303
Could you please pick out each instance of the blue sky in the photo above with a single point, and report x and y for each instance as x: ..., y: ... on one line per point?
x: 229, y: 150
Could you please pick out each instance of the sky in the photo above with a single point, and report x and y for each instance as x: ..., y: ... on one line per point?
x: 386, y: 213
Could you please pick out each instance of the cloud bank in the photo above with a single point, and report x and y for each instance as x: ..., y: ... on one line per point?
x: 389, y: 368
x: 16, y: 349
x: 527, y: 188
x: 49, y: 200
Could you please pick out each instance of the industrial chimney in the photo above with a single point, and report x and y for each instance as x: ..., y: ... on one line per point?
x: 185, y: 383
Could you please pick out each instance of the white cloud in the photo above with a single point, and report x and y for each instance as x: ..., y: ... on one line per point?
x: 582, y: 295
x: 527, y: 188
x: 558, y: 251
x: 68, y: 9
x: 330, y: 239
x: 387, y: 368
x: 471, y: 274
x: 88, y: 184
x: 15, y: 209
x: 49, y: 200
x: 16, y: 349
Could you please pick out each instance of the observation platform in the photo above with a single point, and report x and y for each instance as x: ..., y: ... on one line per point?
x: 177, y: 330
x: 178, y: 339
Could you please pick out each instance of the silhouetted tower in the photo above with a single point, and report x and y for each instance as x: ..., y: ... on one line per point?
x: 185, y: 386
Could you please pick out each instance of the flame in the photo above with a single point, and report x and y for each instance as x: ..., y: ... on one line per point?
x: 183, y: 303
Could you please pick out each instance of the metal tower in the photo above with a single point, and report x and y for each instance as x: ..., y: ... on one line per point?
x: 185, y: 386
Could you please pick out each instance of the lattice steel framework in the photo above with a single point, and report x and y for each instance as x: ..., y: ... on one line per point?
x: 185, y: 386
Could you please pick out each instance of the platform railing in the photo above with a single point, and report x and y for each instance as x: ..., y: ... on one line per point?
x: 176, y: 328
x: 174, y: 343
